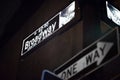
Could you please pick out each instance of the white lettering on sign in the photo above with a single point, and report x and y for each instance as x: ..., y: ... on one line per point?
x: 50, y: 27
x: 69, y: 71
x: 97, y: 55
x: 43, y: 33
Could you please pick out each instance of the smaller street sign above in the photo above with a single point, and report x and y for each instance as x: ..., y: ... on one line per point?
x: 91, y: 58
x: 49, y: 28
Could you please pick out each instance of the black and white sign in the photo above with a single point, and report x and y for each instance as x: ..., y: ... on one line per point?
x: 49, y: 28
x: 113, y: 13
x: 91, y: 58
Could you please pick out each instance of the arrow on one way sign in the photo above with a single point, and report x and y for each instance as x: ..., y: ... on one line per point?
x: 91, y: 58
x: 96, y: 55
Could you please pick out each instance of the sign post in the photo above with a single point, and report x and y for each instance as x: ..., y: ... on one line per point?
x: 91, y: 58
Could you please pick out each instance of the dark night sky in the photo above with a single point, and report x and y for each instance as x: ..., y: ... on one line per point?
x: 13, y: 14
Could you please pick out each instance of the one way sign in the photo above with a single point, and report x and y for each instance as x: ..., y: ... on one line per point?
x: 91, y: 58
x: 98, y: 54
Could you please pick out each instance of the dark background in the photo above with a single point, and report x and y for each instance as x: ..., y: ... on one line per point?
x: 13, y: 14
x: 19, y: 18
